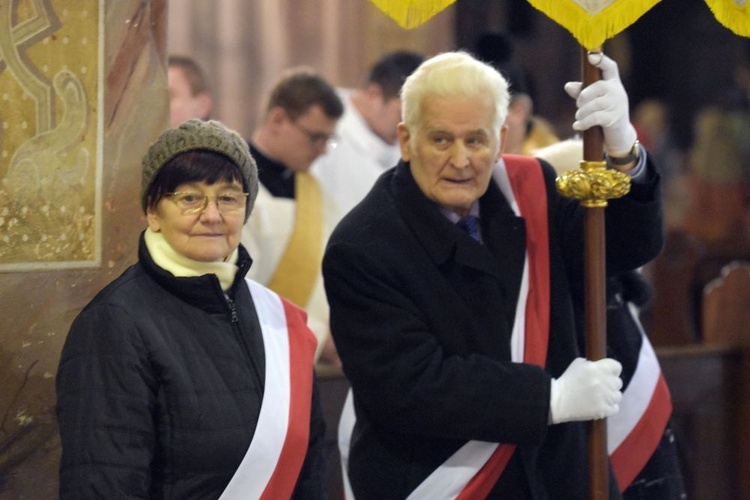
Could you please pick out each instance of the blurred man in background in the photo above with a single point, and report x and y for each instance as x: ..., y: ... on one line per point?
x: 292, y: 218
x: 189, y: 92
x: 366, y: 136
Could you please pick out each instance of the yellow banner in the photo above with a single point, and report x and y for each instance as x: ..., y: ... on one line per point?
x: 412, y: 13
x: 734, y: 14
x: 592, y: 22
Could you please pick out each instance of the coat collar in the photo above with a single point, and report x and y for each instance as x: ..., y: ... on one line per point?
x: 204, y: 291
x: 502, y: 253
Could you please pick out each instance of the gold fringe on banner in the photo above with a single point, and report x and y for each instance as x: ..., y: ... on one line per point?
x: 733, y: 14
x: 592, y: 22
x: 412, y: 13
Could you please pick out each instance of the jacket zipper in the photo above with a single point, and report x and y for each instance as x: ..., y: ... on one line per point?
x: 234, y: 319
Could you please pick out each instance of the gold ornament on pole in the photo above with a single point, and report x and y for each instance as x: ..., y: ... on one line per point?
x: 593, y: 184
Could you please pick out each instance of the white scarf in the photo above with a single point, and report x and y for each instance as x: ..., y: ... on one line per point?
x: 180, y: 266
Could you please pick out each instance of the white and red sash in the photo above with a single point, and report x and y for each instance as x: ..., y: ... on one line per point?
x: 474, y: 469
x: 635, y: 431
x: 274, y: 459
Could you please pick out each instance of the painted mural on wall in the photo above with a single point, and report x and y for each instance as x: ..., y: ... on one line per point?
x: 49, y: 135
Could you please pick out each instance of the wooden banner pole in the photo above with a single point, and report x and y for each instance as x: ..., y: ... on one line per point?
x: 595, y: 298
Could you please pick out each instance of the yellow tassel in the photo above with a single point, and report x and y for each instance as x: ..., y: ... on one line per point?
x: 733, y: 14
x: 593, y: 25
x: 412, y: 13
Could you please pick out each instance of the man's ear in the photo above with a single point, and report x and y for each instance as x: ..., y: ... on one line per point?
x: 374, y: 91
x: 277, y: 116
x: 205, y: 104
x: 503, y: 137
x: 404, y: 138
x: 521, y: 108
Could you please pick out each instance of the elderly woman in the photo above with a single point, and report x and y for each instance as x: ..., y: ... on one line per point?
x: 182, y: 378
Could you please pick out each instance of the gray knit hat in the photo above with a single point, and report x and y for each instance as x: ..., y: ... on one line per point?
x: 198, y: 134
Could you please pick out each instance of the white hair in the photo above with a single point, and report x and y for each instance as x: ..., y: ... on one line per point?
x: 453, y: 74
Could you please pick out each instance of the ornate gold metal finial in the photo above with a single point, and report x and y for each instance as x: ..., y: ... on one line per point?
x: 593, y: 184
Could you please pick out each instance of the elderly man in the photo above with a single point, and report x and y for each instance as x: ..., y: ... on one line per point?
x: 451, y: 288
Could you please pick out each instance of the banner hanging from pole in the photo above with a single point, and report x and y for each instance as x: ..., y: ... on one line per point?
x: 412, y: 13
x: 733, y: 14
x: 592, y: 22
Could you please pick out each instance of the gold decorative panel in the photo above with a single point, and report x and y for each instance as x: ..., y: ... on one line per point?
x: 50, y: 81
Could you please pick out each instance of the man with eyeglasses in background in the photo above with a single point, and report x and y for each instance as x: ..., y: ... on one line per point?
x: 367, y: 134
x: 292, y: 219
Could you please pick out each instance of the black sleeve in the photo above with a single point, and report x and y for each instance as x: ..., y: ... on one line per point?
x: 634, y: 225
x: 105, y: 396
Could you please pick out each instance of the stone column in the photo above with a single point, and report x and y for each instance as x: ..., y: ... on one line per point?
x: 82, y: 94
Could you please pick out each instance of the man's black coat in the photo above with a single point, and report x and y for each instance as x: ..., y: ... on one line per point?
x: 421, y: 315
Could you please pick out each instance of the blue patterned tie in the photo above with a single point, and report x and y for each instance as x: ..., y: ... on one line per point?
x: 470, y: 224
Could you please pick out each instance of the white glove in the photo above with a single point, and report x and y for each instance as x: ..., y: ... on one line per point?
x: 605, y: 103
x: 588, y: 390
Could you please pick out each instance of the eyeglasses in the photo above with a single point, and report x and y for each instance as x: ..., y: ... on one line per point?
x: 193, y: 203
x: 317, y: 139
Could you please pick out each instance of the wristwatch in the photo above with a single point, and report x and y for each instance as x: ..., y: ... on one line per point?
x: 629, y: 158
